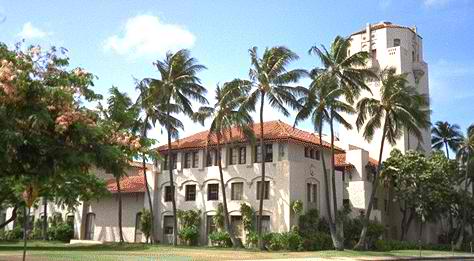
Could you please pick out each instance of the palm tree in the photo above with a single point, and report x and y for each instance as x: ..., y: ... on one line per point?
x: 465, y: 155
x: 323, y: 104
x: 121, y: 114
x: 152, y: 114
x: 348, y: 74
x: 173, y: 91
x: 447, y: 135
x: 226, y: 115
x: 270, y: 79
x: 400, y: 107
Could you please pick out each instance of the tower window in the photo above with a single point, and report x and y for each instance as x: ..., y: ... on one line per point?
x: 396, y: 42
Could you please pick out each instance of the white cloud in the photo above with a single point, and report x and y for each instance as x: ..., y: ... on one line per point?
x: 29, y: 32
x: 147, y: 35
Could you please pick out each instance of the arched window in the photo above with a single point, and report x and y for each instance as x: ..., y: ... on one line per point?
x: 138, y: 228
x: 90, y: 226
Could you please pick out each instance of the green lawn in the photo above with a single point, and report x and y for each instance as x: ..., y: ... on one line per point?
x: 52, y: 251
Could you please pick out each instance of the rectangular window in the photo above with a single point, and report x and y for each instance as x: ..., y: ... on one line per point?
x: 236, y: 225
x: 187, y: 160
x: 396, y: 42
x: 281, y: 150
x: 237, y: 190
x: 233, y: 155
x: 311, y: 153
x: 265, y: 191
x: 242, y: 155
x: 311, y: 192
x: 385, y: 206
x: 308, y: 192
x: 315, y: 193
x: 268, y: 152
x: 317, y: 155
x: 174, y: 160
x: 168, y: 225
x: 168, y: 194
x: 265, y: 223
x: 165, y: 162
x: 211, y: 158
x: 211, y: 225
x: 346, y: 203
x: 190, y: 193
x: 195, y: 159
x: 213, y: 192
x: 376, y: 204
x: 306, y: 152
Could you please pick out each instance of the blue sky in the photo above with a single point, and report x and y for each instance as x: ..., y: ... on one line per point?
x: 112, y: 39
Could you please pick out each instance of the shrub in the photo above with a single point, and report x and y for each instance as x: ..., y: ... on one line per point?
x: 189, y: 235
x: 284, y: 241
x: 12, y: 235
x: 220, y: 239
x: 317, y: 241
x: 61, y: 232
x: 389, y: 245
x: 145, y: 223
x: 37, y: 229
x: 309, y: 222
x: 251, y: 239
x: 353, y: 227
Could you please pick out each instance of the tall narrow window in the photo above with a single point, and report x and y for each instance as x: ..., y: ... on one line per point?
x: 265, y: 189
x: 138, y: 229
x: 308, y: 192
x: 233, y: 155
x: 314, y: 196
x: 265, y: 223
x: 187, y: 160
x: 165, y: 162
x: 237, y: 190
x: 213, y: 192
x: 306, y: 152
x: 168, y: 194
x: 210, y: 225
x: 168, y: 225
x: 195, y: 159
x: 311, y: 153
x: 242, y: 155
x: 317, y: 154
x: 376, y: 204
x: 190, y: 193
x: 174, y: 160
x: 311, y: 192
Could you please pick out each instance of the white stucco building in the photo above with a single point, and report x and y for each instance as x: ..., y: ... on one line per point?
x: 293, y: 166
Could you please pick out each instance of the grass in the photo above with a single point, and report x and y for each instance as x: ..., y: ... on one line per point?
x: 55, y: 251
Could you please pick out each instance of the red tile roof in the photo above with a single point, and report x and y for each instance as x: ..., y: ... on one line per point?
x: 340, y: 160
x: 130, y: 184
x: 272, y: 130
x: 383, y: 25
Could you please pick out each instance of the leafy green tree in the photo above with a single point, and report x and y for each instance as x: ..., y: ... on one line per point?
x: 270, y: 79
x: 399, y: 108
x: 46, y: 133
x: 119, y: 119
x: 177, y: 86
x: 227, y: 114
x: 422, y: 186
x: 447, y: 135
x: 465, y: 156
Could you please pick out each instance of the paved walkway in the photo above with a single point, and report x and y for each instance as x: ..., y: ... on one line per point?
x: 374, y: 258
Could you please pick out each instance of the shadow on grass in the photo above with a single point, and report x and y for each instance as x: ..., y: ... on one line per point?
x: 59, y: 246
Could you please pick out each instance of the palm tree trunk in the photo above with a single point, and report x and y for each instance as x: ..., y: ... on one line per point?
x: 150, y: 204
x: 332, y: 228
x: 447, y: 150
x: 339, y: 244
x: 173, y: 197
x: 262, y: 188
x: 464, y: 211
x: 362, y: 244
x: 235, y: 242
x: 119, y: 194
x: 45, y: 218
x: 26, y: 215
